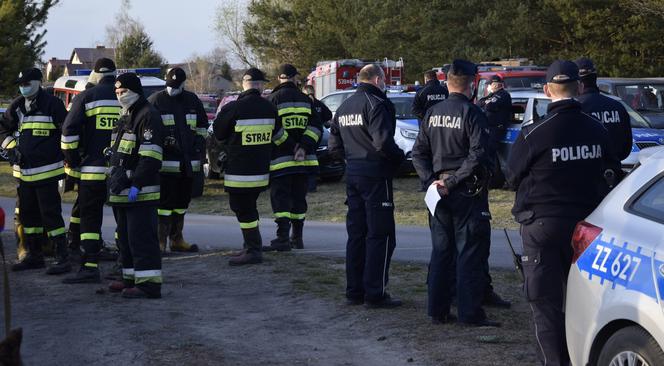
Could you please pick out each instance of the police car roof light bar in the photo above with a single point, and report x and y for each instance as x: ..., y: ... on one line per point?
x: 141, y: 71
x: 82, y: 72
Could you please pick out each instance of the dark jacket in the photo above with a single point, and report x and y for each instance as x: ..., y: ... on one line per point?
x: 363, y: 129
x: 614, y: 117
x: 87, y: 131
x: 497, y: 107
x: 36, y: 135
x: 557, y: 163
x: 185, y: 128
x: 432, y: 93
x: 137, y: 154
x: 323, y: 111
x: 297, y: 116
x: 250, y: 126
x: 452, y: 139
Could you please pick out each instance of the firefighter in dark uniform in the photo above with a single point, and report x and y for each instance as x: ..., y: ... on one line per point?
x: 185, y: 128
x: 497, y: 107
x: 135, y: 159
x: 611, y: 113
x: 363, y: 129
x: 325, y: 116
x: 30, y: 134
x: 432, y: 93
x: 556, y: 165
x: 86, y: 132
x: 250, y: 126
x: 291, y: 166
x: 451, y: 152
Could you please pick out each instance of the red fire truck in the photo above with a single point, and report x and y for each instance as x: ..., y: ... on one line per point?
x: 330, y: 76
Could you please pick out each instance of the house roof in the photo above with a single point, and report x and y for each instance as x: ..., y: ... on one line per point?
x: 90, y: 55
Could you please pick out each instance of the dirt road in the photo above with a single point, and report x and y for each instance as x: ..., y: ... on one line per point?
x: 288, y: 311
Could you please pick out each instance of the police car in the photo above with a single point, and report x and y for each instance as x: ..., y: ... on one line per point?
x: 615, y: 290
x: 68, y: 87
x: 530, y: 105
x: 407, y: 126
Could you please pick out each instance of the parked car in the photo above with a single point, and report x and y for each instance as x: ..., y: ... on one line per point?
x: 330, y: 168
x: 529, y: 105
x: 407, y: 126
x: 512, y: 80
x: 643, y: 95
x: 615, y: 288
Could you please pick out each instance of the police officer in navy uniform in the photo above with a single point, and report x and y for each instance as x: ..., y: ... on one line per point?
x: 556, y: 165
x: 432, y: 93
x: 451, y: 152
x: 611, y: 113
x: 250, y: 126
x: 363, y: 128
x: 498, y: 109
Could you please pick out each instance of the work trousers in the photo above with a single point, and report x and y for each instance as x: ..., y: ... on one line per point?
x: 40, y: 210
x: 175, y: 193
x: 288, y: 194
x: 547, y: 257
x: 244, y: 206
x: 139, y: 246
x: 460, y: 236
x: 371, y: 236
x: 90, y: 207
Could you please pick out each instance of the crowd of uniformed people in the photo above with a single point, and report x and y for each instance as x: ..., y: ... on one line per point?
x: 139, y: 156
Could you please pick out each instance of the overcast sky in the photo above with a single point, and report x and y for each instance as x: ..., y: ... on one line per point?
x: 178, y: 28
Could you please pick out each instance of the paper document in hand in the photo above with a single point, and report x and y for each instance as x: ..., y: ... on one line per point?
x: 431, y: 198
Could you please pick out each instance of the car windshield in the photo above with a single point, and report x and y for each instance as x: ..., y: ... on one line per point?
x: 149, y: 90
x: 644, y: 97
x: 635, y: 119
x: 524, y: 82
x: 403, y: 106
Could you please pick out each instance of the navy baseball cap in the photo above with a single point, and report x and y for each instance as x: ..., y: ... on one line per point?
x: 287, y: 71
x: 496, y: 79
x: 254, y: 74
x: 29, y: 75
x: 461, y: 67
x: 562, y: 71
x: 175, y: 77
x: 586, y: 66
x: 129, y: 81
x: 104, y: 65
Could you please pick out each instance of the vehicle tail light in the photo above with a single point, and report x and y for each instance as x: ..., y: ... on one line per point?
x: 584, y: 234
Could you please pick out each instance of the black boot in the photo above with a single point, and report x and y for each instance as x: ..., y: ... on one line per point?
x: 296, y: 235
x: 61, y: 264
x: 252, y: 245
x: 281, y: 243
x: 34, y: 258
x: 74, y: 244
x: 86, y: 274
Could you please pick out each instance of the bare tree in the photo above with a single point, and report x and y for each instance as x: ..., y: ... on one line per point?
x: 204, y: 71
x: 122, y: 25
x: 229, y: 25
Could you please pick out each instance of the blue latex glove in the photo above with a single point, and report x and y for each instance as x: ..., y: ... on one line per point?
x: 133, y: 194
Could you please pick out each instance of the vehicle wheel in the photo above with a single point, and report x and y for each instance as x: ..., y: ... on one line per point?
x: 631, y: 346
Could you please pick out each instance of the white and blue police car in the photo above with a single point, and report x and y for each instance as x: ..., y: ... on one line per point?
x: 531, y: 104
x: 615, y: 291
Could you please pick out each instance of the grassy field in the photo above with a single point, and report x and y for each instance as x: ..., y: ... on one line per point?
x: 327, y: 204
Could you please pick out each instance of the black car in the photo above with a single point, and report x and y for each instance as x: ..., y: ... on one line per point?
x: 643, y: 95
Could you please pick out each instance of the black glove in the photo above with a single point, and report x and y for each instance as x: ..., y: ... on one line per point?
x: 14, y: 156
x: 118, y: 180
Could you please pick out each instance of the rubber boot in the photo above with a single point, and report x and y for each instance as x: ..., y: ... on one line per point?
x: 34, y: 258
x: 296, y: 234
x: 21, y: 247
x: 88, y: 273
x: 162, y: 232
x: 281, y: 243
x: 252, y: 254
x: 178, y: 244
x: 62, y: 264
x: 48, y: 247
x: 74, y: 244
x: 108, y: 253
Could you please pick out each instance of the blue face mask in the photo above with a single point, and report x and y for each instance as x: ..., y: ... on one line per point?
x: 25, y: 90
x: 32, y: 89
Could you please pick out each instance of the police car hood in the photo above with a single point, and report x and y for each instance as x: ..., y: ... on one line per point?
x: 648, y: 134
x: 410, y: 123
